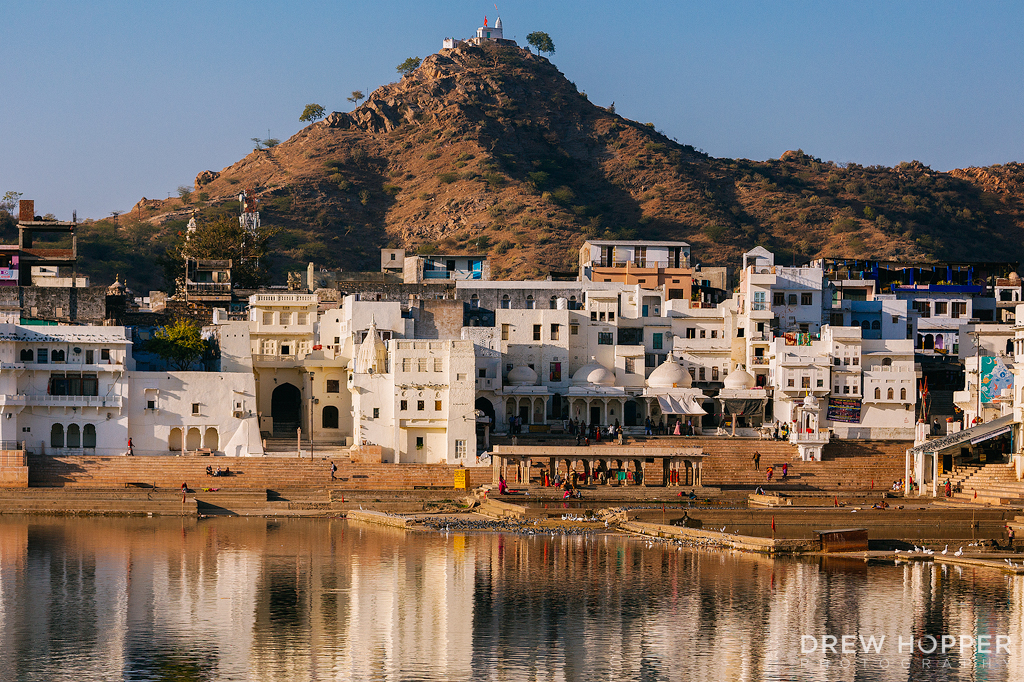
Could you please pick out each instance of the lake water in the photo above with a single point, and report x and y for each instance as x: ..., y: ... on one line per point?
x: 318, y: 599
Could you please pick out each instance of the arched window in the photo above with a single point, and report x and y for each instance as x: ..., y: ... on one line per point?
x: 889, y: 394
x: 929, y: 342
x: 530, y: 302
x: 56, y: 436
x: 865, y: 325
x: 74, y: 436
x: 903, y: 394
x: 886, y: 362
x: 553, y: 303
x: 505, y: 302
x: 573, y: 303
x: 89, y: 436
x: 878, y: 394
x: 26, y: 355
x: 56, y: 356
x: 329, y: 418
x: 474, y: 301
x: 193, y: 440
x: 876, y: 324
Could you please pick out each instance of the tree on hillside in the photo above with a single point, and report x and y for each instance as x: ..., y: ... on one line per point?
x: 258, y: 142
x: 542, y: 41
x: 220, y: 239
x: 9, y: 202
x: 356, y: 96
x: 271, y: 142
x: 179, y: 343
x: 185, y: 193
x: 312, y: 113
x: 408, y: 66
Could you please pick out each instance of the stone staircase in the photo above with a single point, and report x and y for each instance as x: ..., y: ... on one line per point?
x: 286, y: 476
x: 992, y: 484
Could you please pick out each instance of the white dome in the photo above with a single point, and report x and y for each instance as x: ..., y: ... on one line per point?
x: 669, y: 374
x: 739, y: 378
x: 593, y: 373
x: 810, y: 401
x: 521, y: 375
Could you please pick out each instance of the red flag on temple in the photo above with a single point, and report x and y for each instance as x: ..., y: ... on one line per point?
x: 485, y: 20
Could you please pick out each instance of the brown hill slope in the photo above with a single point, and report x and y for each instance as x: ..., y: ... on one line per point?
x: 492, y: 149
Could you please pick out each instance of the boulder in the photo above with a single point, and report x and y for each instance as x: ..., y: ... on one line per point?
x: 206, y: 177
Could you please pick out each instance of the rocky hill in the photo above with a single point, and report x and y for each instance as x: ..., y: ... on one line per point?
x: 491, y: 149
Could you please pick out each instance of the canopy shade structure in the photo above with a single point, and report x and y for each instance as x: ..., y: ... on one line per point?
x: 682, y: 405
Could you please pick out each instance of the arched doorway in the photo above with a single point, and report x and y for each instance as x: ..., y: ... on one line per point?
x: 286, y: 410
x: 193, y: 441
x: 56, y: 436
x: 74, y: 436
x: 174, y: 440
x: 211, y: 439
x: 329, y: 418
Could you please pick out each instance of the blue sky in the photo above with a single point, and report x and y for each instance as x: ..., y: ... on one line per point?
x: 105, y: 102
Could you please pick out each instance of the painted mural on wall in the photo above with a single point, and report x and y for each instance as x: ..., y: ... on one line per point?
x: 994, y: 378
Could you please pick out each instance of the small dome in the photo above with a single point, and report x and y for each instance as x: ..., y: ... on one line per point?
x: 497, y: 24
x: 117, y: 289
x: 739, y: 378
x: 669, y: 374
x: 593, y: 373
x: 373, y: 354
x: 521, y: 375
x: 810, y: 401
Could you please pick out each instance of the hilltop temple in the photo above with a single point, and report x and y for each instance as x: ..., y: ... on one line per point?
x: 484, y: 34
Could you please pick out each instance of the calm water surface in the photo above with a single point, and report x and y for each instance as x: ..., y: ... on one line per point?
x: 317, y: 599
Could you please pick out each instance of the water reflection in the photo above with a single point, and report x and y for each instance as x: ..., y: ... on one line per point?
x: 299, y: 599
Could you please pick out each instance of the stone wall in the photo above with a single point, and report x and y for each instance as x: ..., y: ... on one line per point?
x: 64, y: 304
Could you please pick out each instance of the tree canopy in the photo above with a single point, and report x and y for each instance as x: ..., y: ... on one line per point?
x: 356, y: 96
x: 222, y: 238
x: 408, y: 66
x: 179, y: 343
x: 312, y: 113
x: 542, y: 41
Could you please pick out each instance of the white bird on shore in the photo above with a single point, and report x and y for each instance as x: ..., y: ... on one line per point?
x: 929, y: 552
x: 916, y: 548
x: 959, y: 552
x: 945, y: 549
x: 895, y: 551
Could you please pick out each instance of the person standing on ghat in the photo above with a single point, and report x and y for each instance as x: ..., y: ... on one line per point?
x: 757, y: 460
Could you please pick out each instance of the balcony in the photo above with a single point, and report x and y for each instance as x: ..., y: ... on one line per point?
x: 45, y: 400
x: 759, y: 361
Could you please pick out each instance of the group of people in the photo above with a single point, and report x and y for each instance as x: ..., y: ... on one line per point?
x: 515, y: 425
x: 679, y: 428
x: 770, y: 471
x: 584, y: 434
x: 219, y: 472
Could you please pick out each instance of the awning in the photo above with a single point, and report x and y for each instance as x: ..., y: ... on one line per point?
x: 685, y: 405
x: 973, y: 435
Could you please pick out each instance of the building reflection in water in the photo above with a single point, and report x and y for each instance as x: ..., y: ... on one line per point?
x: 301, y: 599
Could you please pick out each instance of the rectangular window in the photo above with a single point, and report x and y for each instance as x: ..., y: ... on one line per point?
x: 438, y: 364
x: 691, y: 333
x: 778, y: 298
x: 611, y: 316
x: 376, y: 413
x: 739, y: 332
x: 536, y: 332
x: 482, y: 373
x: 555, y: 371
x: 821, y: 383
x: 437, y: 406
x: 403, y: 405
x: 846, y: 361
x: 333, y: 386
x: 460, y: 449
x: 693, y: 373
x: 150, y: 404
x: 420, y: 405
x: 554, y: 332
x: 846, y: 389
x: 703, y: 333
x: 649, y: 360
x: 700, y: 373
x: 805, y: 382
x: 806, y: 299
x: 268, y: 318
x: 656, y: 340
x: 941, y: 307
x: 286, y: 318
x: 789, y: 383
x: 89, y: 356
x: 42, y: 356
x: 714, y: 374
x: 959, y: 309
x: 856, y: 360
x: 792, y: 299
x: 600, y: 316
x: 630, y: 366
x: 421, y: 364
x: 505, y: 329
x: 195, y: 408
x: 406, y: 364
x: 574, y: 329
x: 302, y: 319
x: 419, y: 442
x: 714, y: 333
x: 593, y: 316
x: 105, y: 354
x: 604, y: 338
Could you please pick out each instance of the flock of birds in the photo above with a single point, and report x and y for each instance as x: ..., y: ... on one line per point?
x: 515, y: 526
x: 929, y: 552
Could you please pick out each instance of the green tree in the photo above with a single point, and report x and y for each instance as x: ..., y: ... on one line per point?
x: 356, y: 96
x: 9, y: 202
x: 271, y: 142
x: 408, y: 66
x: 258, y: 142
x: 542, y: 41
x: 185, y: 193
x: 179, y: 343
x: 312, y: 113
x: 221, y: 239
